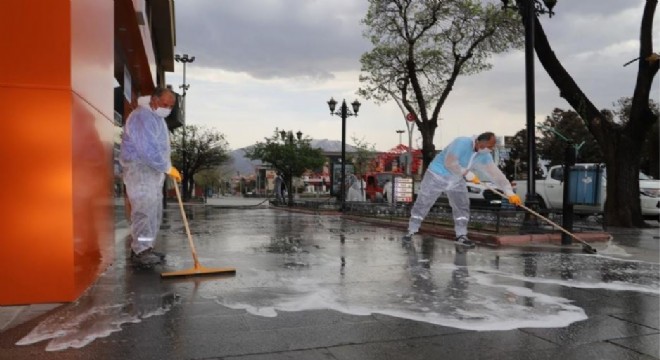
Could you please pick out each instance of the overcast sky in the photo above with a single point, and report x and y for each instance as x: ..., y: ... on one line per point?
x: 262, y: 64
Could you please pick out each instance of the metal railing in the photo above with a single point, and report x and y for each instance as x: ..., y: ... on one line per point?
x: 495, y: 219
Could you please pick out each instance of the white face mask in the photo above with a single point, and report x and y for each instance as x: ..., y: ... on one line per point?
x: 485, y: 151
x: 163, y: 112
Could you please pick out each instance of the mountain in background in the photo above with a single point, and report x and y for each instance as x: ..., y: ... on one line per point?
x: 243, y: 165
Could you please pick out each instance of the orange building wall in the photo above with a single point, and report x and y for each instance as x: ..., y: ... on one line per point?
x: 56, y: 90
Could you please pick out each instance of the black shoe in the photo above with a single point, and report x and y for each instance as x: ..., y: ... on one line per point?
x: 159, y: 254
x: 465, y: 242
x: 406, y: 238
x: 146, y: 259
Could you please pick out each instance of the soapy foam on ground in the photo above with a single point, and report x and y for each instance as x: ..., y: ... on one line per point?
x: 98, y: 313
x: 612, y: 249
x: 487, y: 307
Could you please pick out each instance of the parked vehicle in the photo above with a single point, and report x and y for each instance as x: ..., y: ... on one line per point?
x: 550, y: 191
x: 482, y: 196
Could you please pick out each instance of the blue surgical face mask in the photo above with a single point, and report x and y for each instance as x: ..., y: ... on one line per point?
x: 485, y: 151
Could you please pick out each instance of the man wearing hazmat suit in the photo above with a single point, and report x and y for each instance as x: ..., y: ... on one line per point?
x: 279, y: 189
x: 145, y: 157
x: 448, y: 172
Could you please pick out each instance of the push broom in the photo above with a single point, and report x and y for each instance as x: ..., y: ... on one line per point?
x: 197, y: 269
x: 585, y: 247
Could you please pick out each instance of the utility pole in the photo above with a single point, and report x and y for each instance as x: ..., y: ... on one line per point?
x: 185, y: 59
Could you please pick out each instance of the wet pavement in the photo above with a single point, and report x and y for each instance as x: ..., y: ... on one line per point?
x: 312, y: 286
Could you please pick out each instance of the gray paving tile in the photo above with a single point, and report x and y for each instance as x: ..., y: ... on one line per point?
x: 470, y: 345
x: 646, y: 318
x: 647, y: 344
x: 8, y: 314
x: 599, y: 351
x: 392, y: 351
x: 301, y: 319
x: 594, y: 329
x: 11, y: 316
x: 314, y: 354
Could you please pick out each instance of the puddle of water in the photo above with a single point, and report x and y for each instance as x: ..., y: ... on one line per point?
x: 98, y: 313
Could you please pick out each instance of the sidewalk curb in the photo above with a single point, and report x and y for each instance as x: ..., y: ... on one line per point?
x: 489, y: 239
x: 307, y: 211
x: 483, y: 238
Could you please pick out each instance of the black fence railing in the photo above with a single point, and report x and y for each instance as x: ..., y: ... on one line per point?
x: 499, y: 220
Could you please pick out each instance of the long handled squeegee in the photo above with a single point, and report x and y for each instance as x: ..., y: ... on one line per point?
x: 585, y: 247
x: 198, y: 269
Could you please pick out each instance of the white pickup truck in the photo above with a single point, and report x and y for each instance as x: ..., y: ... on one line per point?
x: 550, y: 190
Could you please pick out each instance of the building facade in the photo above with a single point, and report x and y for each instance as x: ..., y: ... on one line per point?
x: 65, y: 62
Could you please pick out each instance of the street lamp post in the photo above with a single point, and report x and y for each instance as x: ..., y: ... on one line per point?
x: 402, y: 84
x: 185, y: 59
x: 530, y: 8
x: 400, y: 132
x: 410, y: 125
x: 530, y: 104
x: 401, y: 143
x: 344, y: 112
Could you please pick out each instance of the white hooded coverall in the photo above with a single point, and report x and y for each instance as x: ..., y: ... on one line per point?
x: 445, y: 174
x: 145, y: 157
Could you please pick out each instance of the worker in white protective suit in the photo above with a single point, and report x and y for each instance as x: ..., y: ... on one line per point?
x: 448, y: 173
x: 388, y: 193
x: 280, y: 187
x: 356, y: 190
x: 145, y: 157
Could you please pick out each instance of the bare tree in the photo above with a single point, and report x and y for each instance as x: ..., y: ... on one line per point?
x: 420, y: 47
x: 204, y: 149
x: 363, y: 156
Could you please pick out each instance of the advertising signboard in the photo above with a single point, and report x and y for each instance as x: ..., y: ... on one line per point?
x: 403, y: 189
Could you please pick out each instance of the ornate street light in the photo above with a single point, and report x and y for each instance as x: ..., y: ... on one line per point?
x: 540, y: 6
x: 344, y: 112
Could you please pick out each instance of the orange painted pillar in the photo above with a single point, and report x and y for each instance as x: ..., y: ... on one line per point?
x: 56, y: 91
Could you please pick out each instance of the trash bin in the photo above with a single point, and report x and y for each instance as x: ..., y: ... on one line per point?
x: 584, y: 185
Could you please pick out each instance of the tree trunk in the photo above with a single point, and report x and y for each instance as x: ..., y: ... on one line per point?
x: 620, y: 144
x: 622, y: 206
x: 186, y: 188
x: 428, y: 151
x: 654, y: 155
